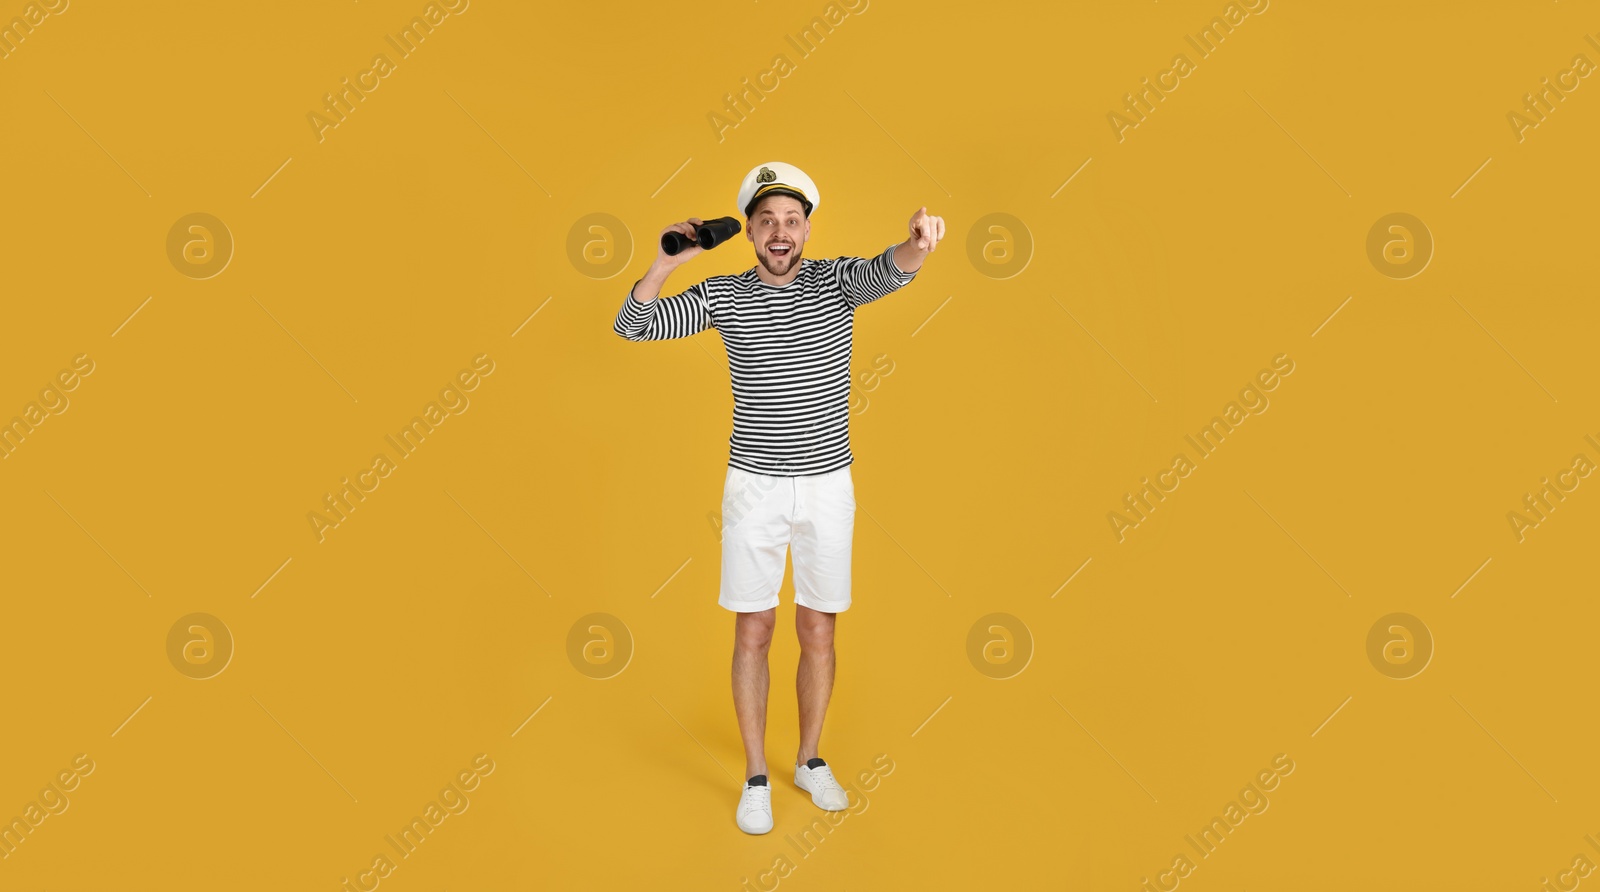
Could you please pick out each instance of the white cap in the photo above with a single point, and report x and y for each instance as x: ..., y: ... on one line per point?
x: 776, y: 176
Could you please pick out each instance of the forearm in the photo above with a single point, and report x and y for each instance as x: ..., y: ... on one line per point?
x: 649, y: 287
x: 865, y: 280
x: 647, y: 316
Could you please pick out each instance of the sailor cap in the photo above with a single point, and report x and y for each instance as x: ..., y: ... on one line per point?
x: 780, y: 178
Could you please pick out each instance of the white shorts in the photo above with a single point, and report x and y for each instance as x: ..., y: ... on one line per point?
x: 763, y: 515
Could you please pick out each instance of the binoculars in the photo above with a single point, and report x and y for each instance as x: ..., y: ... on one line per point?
x: 707, y: 235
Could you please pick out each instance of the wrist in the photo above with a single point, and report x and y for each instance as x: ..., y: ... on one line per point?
x: 657, y: 273
x: 907, y: 254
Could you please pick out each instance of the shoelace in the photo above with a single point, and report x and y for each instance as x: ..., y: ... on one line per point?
x: 755, y: 797
x: 823, y: 778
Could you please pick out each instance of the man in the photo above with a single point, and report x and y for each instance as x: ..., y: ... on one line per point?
x: 787, y: 325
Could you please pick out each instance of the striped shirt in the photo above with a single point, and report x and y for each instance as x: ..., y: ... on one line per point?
x: 788, y: 354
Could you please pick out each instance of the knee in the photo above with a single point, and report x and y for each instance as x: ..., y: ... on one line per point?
x: 753, y: 632
x: 815, y: 637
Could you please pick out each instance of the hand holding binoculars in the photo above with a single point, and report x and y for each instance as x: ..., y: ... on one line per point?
x: 707, y: 235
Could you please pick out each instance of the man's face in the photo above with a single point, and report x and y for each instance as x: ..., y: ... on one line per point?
x: 779, y: 230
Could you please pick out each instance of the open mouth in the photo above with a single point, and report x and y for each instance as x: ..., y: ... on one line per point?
x: 781, y: 249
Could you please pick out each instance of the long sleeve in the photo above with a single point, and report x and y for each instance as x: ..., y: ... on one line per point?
x: 678, y: 316
x: 864, y: 280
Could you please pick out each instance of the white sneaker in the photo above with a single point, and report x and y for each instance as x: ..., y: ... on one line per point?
x: 754, y: 814
x: 816, y: 778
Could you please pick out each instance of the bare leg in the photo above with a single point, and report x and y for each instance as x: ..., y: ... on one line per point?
x: 752, y: 637
x: 814, y: 679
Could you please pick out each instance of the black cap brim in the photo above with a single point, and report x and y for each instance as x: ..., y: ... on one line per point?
x: 779, y: 190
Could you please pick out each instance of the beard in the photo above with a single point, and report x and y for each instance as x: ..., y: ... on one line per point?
x: 779, y: 266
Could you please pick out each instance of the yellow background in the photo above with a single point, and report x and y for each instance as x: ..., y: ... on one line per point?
x: 427, y: 228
